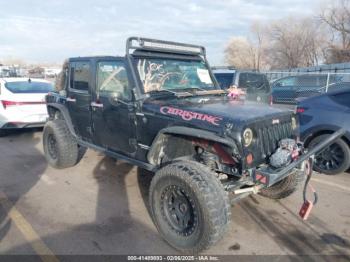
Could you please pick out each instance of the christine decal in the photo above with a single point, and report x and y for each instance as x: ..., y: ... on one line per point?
x: 189, y: 115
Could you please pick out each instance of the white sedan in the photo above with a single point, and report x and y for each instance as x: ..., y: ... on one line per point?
x: 22, y: 103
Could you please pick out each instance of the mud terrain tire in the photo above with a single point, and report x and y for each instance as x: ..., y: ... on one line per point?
x: 60, y: 147
x: 190, y: 189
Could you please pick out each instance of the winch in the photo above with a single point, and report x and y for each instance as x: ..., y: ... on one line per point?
x: 287, y: 151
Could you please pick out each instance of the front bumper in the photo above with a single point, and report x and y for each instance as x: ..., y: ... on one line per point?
x: 268, y: 176
x: 12, y: 120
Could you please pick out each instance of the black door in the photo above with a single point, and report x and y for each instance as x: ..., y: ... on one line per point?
x: 79, y: 98
x: 113, y: 113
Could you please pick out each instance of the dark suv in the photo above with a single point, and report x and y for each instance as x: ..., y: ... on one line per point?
x: 256, y: 85
x: 159, y: 107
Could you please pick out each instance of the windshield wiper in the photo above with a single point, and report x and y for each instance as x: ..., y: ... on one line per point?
x: 177, y: 94
x: 211, y: 92
x: 201, y: 89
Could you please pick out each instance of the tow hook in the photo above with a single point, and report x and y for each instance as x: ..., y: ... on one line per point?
x: 307, y: 206
x: 244, y: 192
x: 252, y: 190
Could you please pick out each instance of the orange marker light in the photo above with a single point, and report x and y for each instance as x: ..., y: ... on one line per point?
x: 249, y: 159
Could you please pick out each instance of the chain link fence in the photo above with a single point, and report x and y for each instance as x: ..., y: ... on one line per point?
x: 288, y: 87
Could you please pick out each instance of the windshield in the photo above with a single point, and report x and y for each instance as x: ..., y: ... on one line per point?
x: 159, y: 74
x: 29, y: 87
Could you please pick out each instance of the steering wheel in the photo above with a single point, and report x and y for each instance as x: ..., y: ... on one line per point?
x: 168, y: 76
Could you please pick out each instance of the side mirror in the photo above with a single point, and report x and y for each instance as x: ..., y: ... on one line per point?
x: 118, y: 98
x: 63, y: 93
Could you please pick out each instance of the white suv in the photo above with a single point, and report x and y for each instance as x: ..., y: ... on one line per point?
x: 22, y: 103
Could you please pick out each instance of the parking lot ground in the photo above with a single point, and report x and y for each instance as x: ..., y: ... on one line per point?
x: 100, y: 207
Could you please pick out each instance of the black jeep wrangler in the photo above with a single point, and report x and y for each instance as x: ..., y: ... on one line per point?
x: 160, y: 108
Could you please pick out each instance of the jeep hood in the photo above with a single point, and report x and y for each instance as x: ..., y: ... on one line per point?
x: 213, y: 111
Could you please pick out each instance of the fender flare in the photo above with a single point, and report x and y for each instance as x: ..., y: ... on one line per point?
x: 310, y: 133
x: 64, y: 111
x: 183, y: 131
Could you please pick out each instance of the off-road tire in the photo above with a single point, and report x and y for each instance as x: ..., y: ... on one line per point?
x: 66, y: 150
x: 208, y: 199
x: 345, y: 165
x: 285, y: 187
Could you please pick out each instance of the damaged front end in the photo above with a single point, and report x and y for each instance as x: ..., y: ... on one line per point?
x: 273, y: 175
x: 290, y: 157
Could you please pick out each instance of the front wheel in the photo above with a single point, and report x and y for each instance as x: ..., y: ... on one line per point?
x: 189, y: 206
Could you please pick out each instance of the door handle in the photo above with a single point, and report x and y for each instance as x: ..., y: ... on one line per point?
x: 73, y: 100
x: 94, y: 104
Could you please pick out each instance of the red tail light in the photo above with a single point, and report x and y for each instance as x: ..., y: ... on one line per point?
x: 6, y: 103
x: 300, y: 110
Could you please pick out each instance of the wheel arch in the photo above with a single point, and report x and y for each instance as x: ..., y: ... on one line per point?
x: 319, y: 132
x: 181, y: 139
x: 52, y: 109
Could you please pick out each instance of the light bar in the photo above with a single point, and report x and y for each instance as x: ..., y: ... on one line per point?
x: 191, y: 49
x: 165, y: 46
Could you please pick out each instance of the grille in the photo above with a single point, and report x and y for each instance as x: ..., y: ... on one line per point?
x: 269, y: 136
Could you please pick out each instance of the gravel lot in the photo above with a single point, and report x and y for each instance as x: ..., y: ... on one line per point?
x: 100, y: 207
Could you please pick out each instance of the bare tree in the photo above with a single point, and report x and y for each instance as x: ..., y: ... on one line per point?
x: 12, y: 61
x: 241, y: 53
x: 294, y: 43
x: 336, y: 15
x: 259, y: 36
x: 248, y: 52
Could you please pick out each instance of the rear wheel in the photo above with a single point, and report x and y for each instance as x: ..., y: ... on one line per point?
x: 60, y: 147
x: 189, y: 206
x: 334, y: 159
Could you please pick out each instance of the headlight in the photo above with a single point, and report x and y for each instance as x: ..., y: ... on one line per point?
x: 247, y: 137
x: 294, y: 123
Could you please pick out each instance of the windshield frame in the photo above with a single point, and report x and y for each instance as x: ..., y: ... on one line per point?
x: 153, y: 55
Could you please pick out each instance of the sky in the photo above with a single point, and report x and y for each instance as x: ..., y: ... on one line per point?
x: 48, y: 31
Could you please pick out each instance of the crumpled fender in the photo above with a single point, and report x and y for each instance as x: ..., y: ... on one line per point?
x: 160, y: 139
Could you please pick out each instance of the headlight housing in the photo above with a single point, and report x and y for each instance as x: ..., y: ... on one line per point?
x: 248, y: 137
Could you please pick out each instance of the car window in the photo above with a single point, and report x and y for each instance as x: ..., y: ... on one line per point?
x: 79, y: 76
x: 28, y: 87
x: 224, y: 79
x: 333, y: 86
x: 112, y: 79
x: 288, y: 81
x: 308, y: 80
